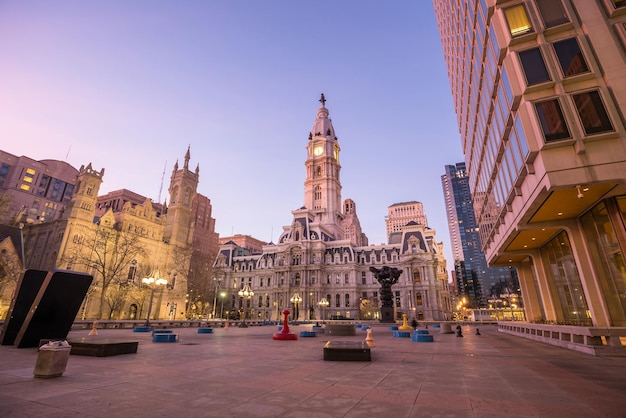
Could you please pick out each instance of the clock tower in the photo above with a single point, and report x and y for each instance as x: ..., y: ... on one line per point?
x: 322, y: 187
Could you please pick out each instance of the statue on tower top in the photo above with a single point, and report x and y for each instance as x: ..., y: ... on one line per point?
x: 323, y: 100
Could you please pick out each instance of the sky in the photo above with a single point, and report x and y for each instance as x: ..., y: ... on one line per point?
x: 128, y: 86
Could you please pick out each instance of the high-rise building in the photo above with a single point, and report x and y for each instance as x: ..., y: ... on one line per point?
x: 320, y: 266
x: 539, y: 89
x: 400, y: 214
x: 474, y: 279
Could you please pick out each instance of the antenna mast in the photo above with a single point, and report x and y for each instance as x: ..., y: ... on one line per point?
x: 162, y: 179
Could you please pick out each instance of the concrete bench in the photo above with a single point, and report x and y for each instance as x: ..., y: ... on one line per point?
x: 307, y: 333
x: 205, y: 330
x: 402, y: 334
x: 161, y: 331
x: 102, y: 347
x: 164, y: 338
x: 347, y: 351
x: 393, y: 328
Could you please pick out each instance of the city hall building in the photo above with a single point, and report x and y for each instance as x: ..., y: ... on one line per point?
x: 320, y: 266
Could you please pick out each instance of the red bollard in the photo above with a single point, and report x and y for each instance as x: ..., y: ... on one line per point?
x: 284, y: 334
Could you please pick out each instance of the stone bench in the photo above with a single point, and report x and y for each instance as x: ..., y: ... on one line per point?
x: 340, y: 329
x: 102, y: 347
x: 307, y: 333
x: 205, y: 330
x: 347, y: 351
x: 164, y: 338
x: 402, y: 334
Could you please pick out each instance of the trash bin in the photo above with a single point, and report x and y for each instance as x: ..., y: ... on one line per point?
x: 52, y: 359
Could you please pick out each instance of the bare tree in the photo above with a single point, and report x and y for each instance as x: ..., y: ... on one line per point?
x: 11, y: 270
x: 108, y: 253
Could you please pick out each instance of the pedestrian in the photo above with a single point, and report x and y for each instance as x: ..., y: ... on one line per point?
x: 414, y: 324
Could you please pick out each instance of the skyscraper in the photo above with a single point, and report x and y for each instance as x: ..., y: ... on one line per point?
x: 539, y: 89
x: 473, y: 277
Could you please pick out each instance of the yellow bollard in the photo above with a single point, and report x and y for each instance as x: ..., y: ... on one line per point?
x: 94, y: 329
x: 369, y: 339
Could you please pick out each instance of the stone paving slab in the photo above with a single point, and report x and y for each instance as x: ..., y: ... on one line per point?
x: 243, y: 372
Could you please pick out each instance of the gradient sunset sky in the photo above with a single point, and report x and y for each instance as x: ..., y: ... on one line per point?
x: 129, y: 85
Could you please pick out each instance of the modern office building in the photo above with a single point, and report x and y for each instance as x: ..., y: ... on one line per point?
x: 320, y: 266
x: 539, y: 89
x: 480, y: 284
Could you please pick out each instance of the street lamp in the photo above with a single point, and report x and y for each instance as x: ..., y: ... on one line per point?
x: 152, y: 282
x: 217, y: 285
x: 222, y: 296
x: 323, y: 303
x: 296, y: 299
x: 246, y: 294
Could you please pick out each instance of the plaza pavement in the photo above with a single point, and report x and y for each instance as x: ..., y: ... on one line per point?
x: 243, y: 372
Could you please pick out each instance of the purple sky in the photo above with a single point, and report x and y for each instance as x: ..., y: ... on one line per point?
x: 128, y: 85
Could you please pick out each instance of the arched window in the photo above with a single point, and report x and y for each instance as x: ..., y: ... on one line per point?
x: 297, y: 279
x: 418, y: 298
x: 347, y: 297
x: 337, y: 301
x: 416, y: 276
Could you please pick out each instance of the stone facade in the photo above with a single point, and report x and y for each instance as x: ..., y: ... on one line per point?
x: 324, y: 255
x: 122, y: 237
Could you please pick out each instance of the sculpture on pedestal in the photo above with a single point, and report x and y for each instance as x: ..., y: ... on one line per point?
x: 387, y: 277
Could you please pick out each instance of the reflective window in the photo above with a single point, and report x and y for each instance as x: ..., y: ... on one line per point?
x: 552, y: 12
x: 592, y: 112
x: 565, y: 280
x: 518, y: 21
x: 601, y: 236
x: 619, y: 3
x: 552, y: 121
x: 570, y: 57
x: 534, y: 67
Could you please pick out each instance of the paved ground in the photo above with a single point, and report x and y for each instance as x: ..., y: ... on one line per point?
x: 245, y: 373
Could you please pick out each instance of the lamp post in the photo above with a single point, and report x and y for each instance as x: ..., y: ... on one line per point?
x: 217, y: 285
x: 323, y: 303
x: 222, y: 296
x: 246, y: 294
x: 153, y: 282
x: 296, y: 299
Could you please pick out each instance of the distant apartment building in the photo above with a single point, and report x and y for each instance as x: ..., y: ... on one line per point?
x: 37, y: 191
x: 474, y: 279
x: 539, y: 89
x: 400, y: 214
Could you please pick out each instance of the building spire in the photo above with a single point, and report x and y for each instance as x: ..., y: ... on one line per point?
x: 187, y: 157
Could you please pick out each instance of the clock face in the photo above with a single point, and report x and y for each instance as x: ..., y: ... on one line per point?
x: 318, y: 150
